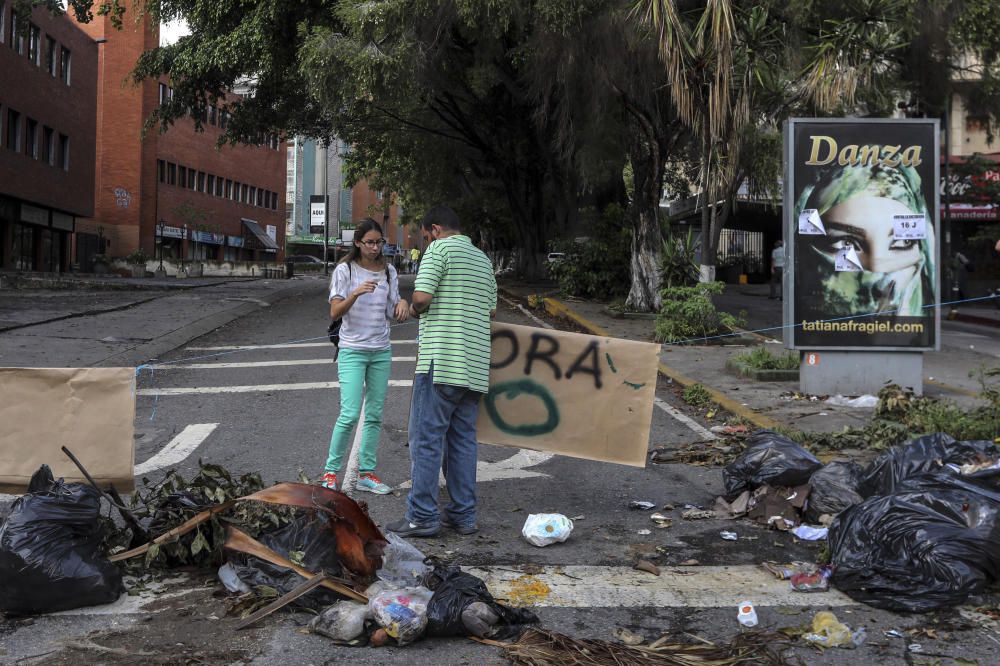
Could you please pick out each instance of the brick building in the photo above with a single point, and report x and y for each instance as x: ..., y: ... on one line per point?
x: 205, y: 203
x: 48, y: 111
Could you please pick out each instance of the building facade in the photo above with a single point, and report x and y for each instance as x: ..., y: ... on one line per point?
x: 173, y: 195
x: 48, y: 118
x: 348, y: 204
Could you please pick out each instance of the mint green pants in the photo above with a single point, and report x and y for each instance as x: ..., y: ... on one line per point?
x: 361, y: 373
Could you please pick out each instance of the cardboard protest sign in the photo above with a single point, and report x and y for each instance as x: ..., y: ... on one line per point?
x: 577, y: 395
x: 90, y: 411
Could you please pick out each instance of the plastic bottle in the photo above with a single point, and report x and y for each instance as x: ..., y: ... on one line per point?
x: 747, y: 615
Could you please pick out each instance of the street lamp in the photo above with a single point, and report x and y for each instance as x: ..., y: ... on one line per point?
x: 159, y: 238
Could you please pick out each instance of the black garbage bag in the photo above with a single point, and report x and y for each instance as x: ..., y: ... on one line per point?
x: 307, y: 541
x: 833, y: 488
x: 770, y: 459
x: 929, y: 545
x: 930, y: 453
x: 462, y: 606
x: 50, y: 550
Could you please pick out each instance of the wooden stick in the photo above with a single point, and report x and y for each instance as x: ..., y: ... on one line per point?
x: 178, y: 531
x: 283, y: 601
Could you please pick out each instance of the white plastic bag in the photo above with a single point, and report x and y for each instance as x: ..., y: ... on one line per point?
x: 402, y: 564
x: 402, y: 612
x: 545, y: 529
x: 344, y: 621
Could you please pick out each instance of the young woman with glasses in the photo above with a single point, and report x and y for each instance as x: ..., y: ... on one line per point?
x: 364, y: 292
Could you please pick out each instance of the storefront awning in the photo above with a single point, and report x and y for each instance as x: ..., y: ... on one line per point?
x: 265, y: 241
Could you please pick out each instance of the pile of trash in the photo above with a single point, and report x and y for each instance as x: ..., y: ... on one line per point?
x: 916, y: 530
x: 316, y: 550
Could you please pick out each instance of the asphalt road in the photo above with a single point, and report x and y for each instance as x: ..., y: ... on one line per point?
x: 257, y: 400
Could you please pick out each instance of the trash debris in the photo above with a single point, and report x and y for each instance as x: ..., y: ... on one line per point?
x: 698, y: 514
x: 832, y: 489
x: 50, y: 550
x: 747, y: 614
x: 627, y: 637
x: 932, y: 543
x: 730, y: 430
x: 648, y: 567
x: 661, y: 520
x: 778, y: 508
x: 780, y: 523
x: 771, y: 459
x: 813, y: 581
x: 786, y: 571
x: 810, y: 533
x: 930, y: 453
x: 644, y: 532
x: 231, y: 580
x: 402, y: 564
x: 738, y: 507
x: 828, y: 631
x: 641, y: 505
x: 343, y: 622
x: 461, y: 605
x: 894, y: 633
x: 402, y: 612
x: 729, y: 536
x: 545, y: 529
x: 862, y: 401
x: 690, y: 563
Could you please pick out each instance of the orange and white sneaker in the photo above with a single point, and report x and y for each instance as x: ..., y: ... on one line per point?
x: 329, y: 480
x: 372, y: 484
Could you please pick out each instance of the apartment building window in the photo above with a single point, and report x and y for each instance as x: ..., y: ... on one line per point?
x: 16, y: 38
x: 50, y: 56
x: 64, y: 152
x: 182, y: 177
x: 254, y: 196
x: 244, y: 189
x: 31, y: 139
x: 14, y: 130
x: 171, y: 173
x: 164, y: 96
x: 161, y: 171
x: 201, y: 181
x: 65, y: 64
x: 274, y: 201
x: 49, y: 146
x: 210, y: 185
x: 191, y: 178
x: 218, y: 186
x: 228, y: 192
x: 3, y: 26
x: 34, y: 44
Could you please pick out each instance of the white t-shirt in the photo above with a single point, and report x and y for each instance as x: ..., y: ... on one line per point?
x: 366, y: 324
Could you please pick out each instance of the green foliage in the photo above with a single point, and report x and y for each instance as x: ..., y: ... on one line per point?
x: 697, y: 395
x: 761, y: 358
x: 174, y: 500
x: 678, y: 266
x: 900, y: 415
x: 597, y: 267
x: 687, y: 313
x: 138, y: 257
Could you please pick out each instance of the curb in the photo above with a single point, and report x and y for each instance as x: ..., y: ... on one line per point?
x: 557, y: 308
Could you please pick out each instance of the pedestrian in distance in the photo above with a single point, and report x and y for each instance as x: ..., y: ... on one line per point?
x: 364, y: 292
x: 455, y: 296
x: 777, y: 270
x: 414, y: 259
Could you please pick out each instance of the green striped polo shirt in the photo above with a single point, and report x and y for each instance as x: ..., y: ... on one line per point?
x: 455, y: 330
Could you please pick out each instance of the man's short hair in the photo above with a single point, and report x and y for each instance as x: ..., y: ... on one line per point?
x: 442, y: 216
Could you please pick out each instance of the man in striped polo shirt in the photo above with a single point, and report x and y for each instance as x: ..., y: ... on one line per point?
x: 455, y: 296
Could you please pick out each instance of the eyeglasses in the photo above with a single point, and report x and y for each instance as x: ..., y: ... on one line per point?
x: 374, y: 243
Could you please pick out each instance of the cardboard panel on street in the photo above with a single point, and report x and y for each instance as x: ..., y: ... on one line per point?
x: 862, y: 234
x: 90, y: 411
x: 576, y: 395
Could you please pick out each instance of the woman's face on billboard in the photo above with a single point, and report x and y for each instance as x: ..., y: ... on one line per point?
x: 865, y: 223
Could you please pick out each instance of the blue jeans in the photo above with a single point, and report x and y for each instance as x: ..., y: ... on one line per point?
x: 442, y: 426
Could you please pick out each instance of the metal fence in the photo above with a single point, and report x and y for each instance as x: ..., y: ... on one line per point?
x: 744, y: 249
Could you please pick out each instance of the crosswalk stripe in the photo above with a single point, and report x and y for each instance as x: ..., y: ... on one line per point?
x: 179, y: 448
x: 684, y: 418
x: 289, y: 345
x: 576, y: 586
x: 258, y: 388
x: 262, y: 364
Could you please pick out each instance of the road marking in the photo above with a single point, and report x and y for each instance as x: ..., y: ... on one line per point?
x: 623, y: 587
x: 290, y: 345
x: 262, y: 364
x: 178, y: 449
x: 258, y: 388
x: 525, y: 311
x: 508, y: 468
x: 684, y: 418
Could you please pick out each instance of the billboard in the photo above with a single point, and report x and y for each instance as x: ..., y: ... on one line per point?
x: 317, y: 213
x: 861, y: 234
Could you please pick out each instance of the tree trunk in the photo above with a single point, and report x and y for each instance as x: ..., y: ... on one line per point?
x: 647, y: 239
x: 708, y: 242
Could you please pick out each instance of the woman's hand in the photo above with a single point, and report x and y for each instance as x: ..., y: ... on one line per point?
x: 366, y: 287
x: 402, y: 310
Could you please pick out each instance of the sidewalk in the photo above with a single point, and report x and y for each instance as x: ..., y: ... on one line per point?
x: 82, y: 326
x: 767, y: 404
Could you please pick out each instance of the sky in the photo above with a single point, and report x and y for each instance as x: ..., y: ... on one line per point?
x: 171, y: 32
